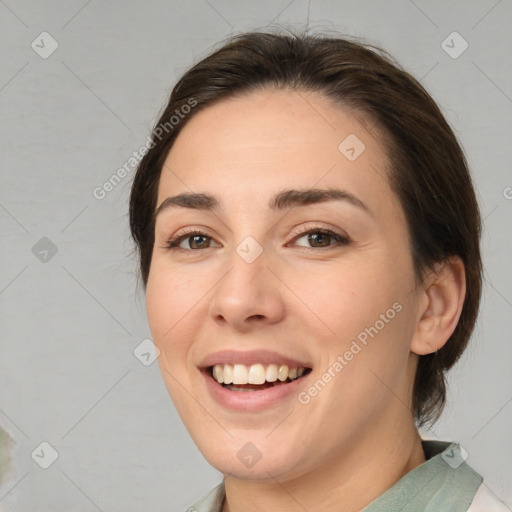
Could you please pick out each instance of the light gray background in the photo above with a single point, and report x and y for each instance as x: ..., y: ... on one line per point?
x: 69, y: 325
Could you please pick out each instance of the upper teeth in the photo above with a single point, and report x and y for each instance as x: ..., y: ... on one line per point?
x: 254, y: 374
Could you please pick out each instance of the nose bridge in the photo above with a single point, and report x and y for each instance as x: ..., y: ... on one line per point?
x: 247, y: 289
x: 250, y: 250
x: 246, y: 265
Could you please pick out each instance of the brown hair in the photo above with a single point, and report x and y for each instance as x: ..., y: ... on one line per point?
x: 429, y: 173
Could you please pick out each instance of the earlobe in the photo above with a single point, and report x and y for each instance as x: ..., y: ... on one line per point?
x: 440, y: 306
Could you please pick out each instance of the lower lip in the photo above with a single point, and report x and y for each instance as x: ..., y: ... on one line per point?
x: 252, y: 401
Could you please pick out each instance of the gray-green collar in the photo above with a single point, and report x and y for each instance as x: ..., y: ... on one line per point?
x: 444, y: 483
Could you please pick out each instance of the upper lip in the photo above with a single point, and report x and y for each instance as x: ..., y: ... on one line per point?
x: 249, y: 357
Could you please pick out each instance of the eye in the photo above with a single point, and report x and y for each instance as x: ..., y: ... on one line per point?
x: 193, y: 239
x: 321, y: 238
x: 318, y: 238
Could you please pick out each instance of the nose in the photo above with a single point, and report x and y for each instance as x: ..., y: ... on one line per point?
x: 249, y: 295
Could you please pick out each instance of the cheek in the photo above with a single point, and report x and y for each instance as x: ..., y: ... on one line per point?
x: 376, y: 353
x: 170, y: 294
x: 346, y: 298
x: 363, y: 311
x: 168, y: 301
x: 169, y: 306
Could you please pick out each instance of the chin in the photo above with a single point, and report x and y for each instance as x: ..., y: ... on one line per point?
x: 247, y: 460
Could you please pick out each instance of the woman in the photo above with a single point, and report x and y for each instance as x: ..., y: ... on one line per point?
x: 309, y: 246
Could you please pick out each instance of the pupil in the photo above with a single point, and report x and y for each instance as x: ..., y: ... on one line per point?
x: 314, y: 237
x: 194, y: 240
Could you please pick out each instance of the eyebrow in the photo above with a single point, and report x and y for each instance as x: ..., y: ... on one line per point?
x: 289, y: 198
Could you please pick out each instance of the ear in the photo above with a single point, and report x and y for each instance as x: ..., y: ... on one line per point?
x: 439, y: 306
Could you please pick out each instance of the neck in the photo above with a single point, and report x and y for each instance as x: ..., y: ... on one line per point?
x: 347, y: 483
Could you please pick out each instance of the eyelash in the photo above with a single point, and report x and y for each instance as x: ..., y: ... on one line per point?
x: 174, y: 243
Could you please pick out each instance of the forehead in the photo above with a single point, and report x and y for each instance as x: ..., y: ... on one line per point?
x: 246, y: 148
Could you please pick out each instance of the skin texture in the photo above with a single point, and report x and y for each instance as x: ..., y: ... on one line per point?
x: 356, y: 438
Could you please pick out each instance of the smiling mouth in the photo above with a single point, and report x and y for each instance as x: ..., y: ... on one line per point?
x: 256, y: 377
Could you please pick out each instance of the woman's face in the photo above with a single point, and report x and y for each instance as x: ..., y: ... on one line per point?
x: 320, y: 282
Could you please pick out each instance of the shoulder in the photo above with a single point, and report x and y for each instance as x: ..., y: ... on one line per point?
x: 211, y: 502
x: 486, y: 501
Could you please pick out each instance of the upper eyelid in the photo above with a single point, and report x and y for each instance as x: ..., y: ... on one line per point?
x: 298, y: 230
x: 304, y: 230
